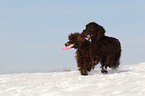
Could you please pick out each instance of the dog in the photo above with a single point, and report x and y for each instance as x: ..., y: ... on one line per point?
x: 105, y: 47
x: 82, y: 54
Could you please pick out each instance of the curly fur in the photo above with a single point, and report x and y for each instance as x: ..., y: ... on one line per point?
x: 104, y: 47
x: 82, y: 54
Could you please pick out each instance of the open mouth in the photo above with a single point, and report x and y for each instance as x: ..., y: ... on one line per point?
x: 89, y: 36
x: 68, y: 47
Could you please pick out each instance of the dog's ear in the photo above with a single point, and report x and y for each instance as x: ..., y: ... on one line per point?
x: 70, y: 36
x: 81, y: 37
x: 101, y: 32
x: 73, y: 36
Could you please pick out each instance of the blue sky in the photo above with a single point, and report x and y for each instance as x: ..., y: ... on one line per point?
x: 33, y: 32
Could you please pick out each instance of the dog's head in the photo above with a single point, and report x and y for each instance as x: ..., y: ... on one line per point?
x: 73, y: 42
x: 94, y: 30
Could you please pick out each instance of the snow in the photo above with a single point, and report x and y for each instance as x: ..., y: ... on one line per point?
x: 129, y: 80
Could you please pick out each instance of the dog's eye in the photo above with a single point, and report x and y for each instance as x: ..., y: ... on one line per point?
x: 71, y: 41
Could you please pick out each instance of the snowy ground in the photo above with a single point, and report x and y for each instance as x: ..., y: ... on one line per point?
x: 128, y: 81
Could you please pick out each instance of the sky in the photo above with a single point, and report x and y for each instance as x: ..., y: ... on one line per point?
x: 33, y: 32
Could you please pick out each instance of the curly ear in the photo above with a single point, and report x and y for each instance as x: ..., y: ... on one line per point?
x: 81, y: 37
x: 101, y: 33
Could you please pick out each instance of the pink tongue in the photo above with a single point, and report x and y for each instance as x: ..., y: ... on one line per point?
x: 88, y: 36
x: 68, y: 47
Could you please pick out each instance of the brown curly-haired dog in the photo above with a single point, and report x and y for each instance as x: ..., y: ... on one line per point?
x: 82, y: 54
x: 106, y: 48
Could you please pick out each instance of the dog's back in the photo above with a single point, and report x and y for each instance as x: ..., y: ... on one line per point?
x: 107, y: 45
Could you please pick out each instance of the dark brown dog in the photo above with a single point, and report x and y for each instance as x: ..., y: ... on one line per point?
x: 82, y: 54
x: 104, y: 47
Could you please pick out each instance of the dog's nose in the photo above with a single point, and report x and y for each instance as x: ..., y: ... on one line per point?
x: 67, y: 44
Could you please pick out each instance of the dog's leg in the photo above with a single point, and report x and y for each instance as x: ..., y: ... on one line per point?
x: 83, y: 68
x: 103, y: 67
x: 98, y: 59
x: 83, y: 72
x: 109, y: 60
x: 92, y: 54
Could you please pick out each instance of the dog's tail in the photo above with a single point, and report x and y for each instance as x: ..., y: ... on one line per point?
x: 116, y: 61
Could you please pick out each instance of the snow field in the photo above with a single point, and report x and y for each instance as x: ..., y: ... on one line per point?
x: 129, y: 80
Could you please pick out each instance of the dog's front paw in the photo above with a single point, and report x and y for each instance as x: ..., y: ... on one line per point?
x: 104, y: 71
x: 84, y: 72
